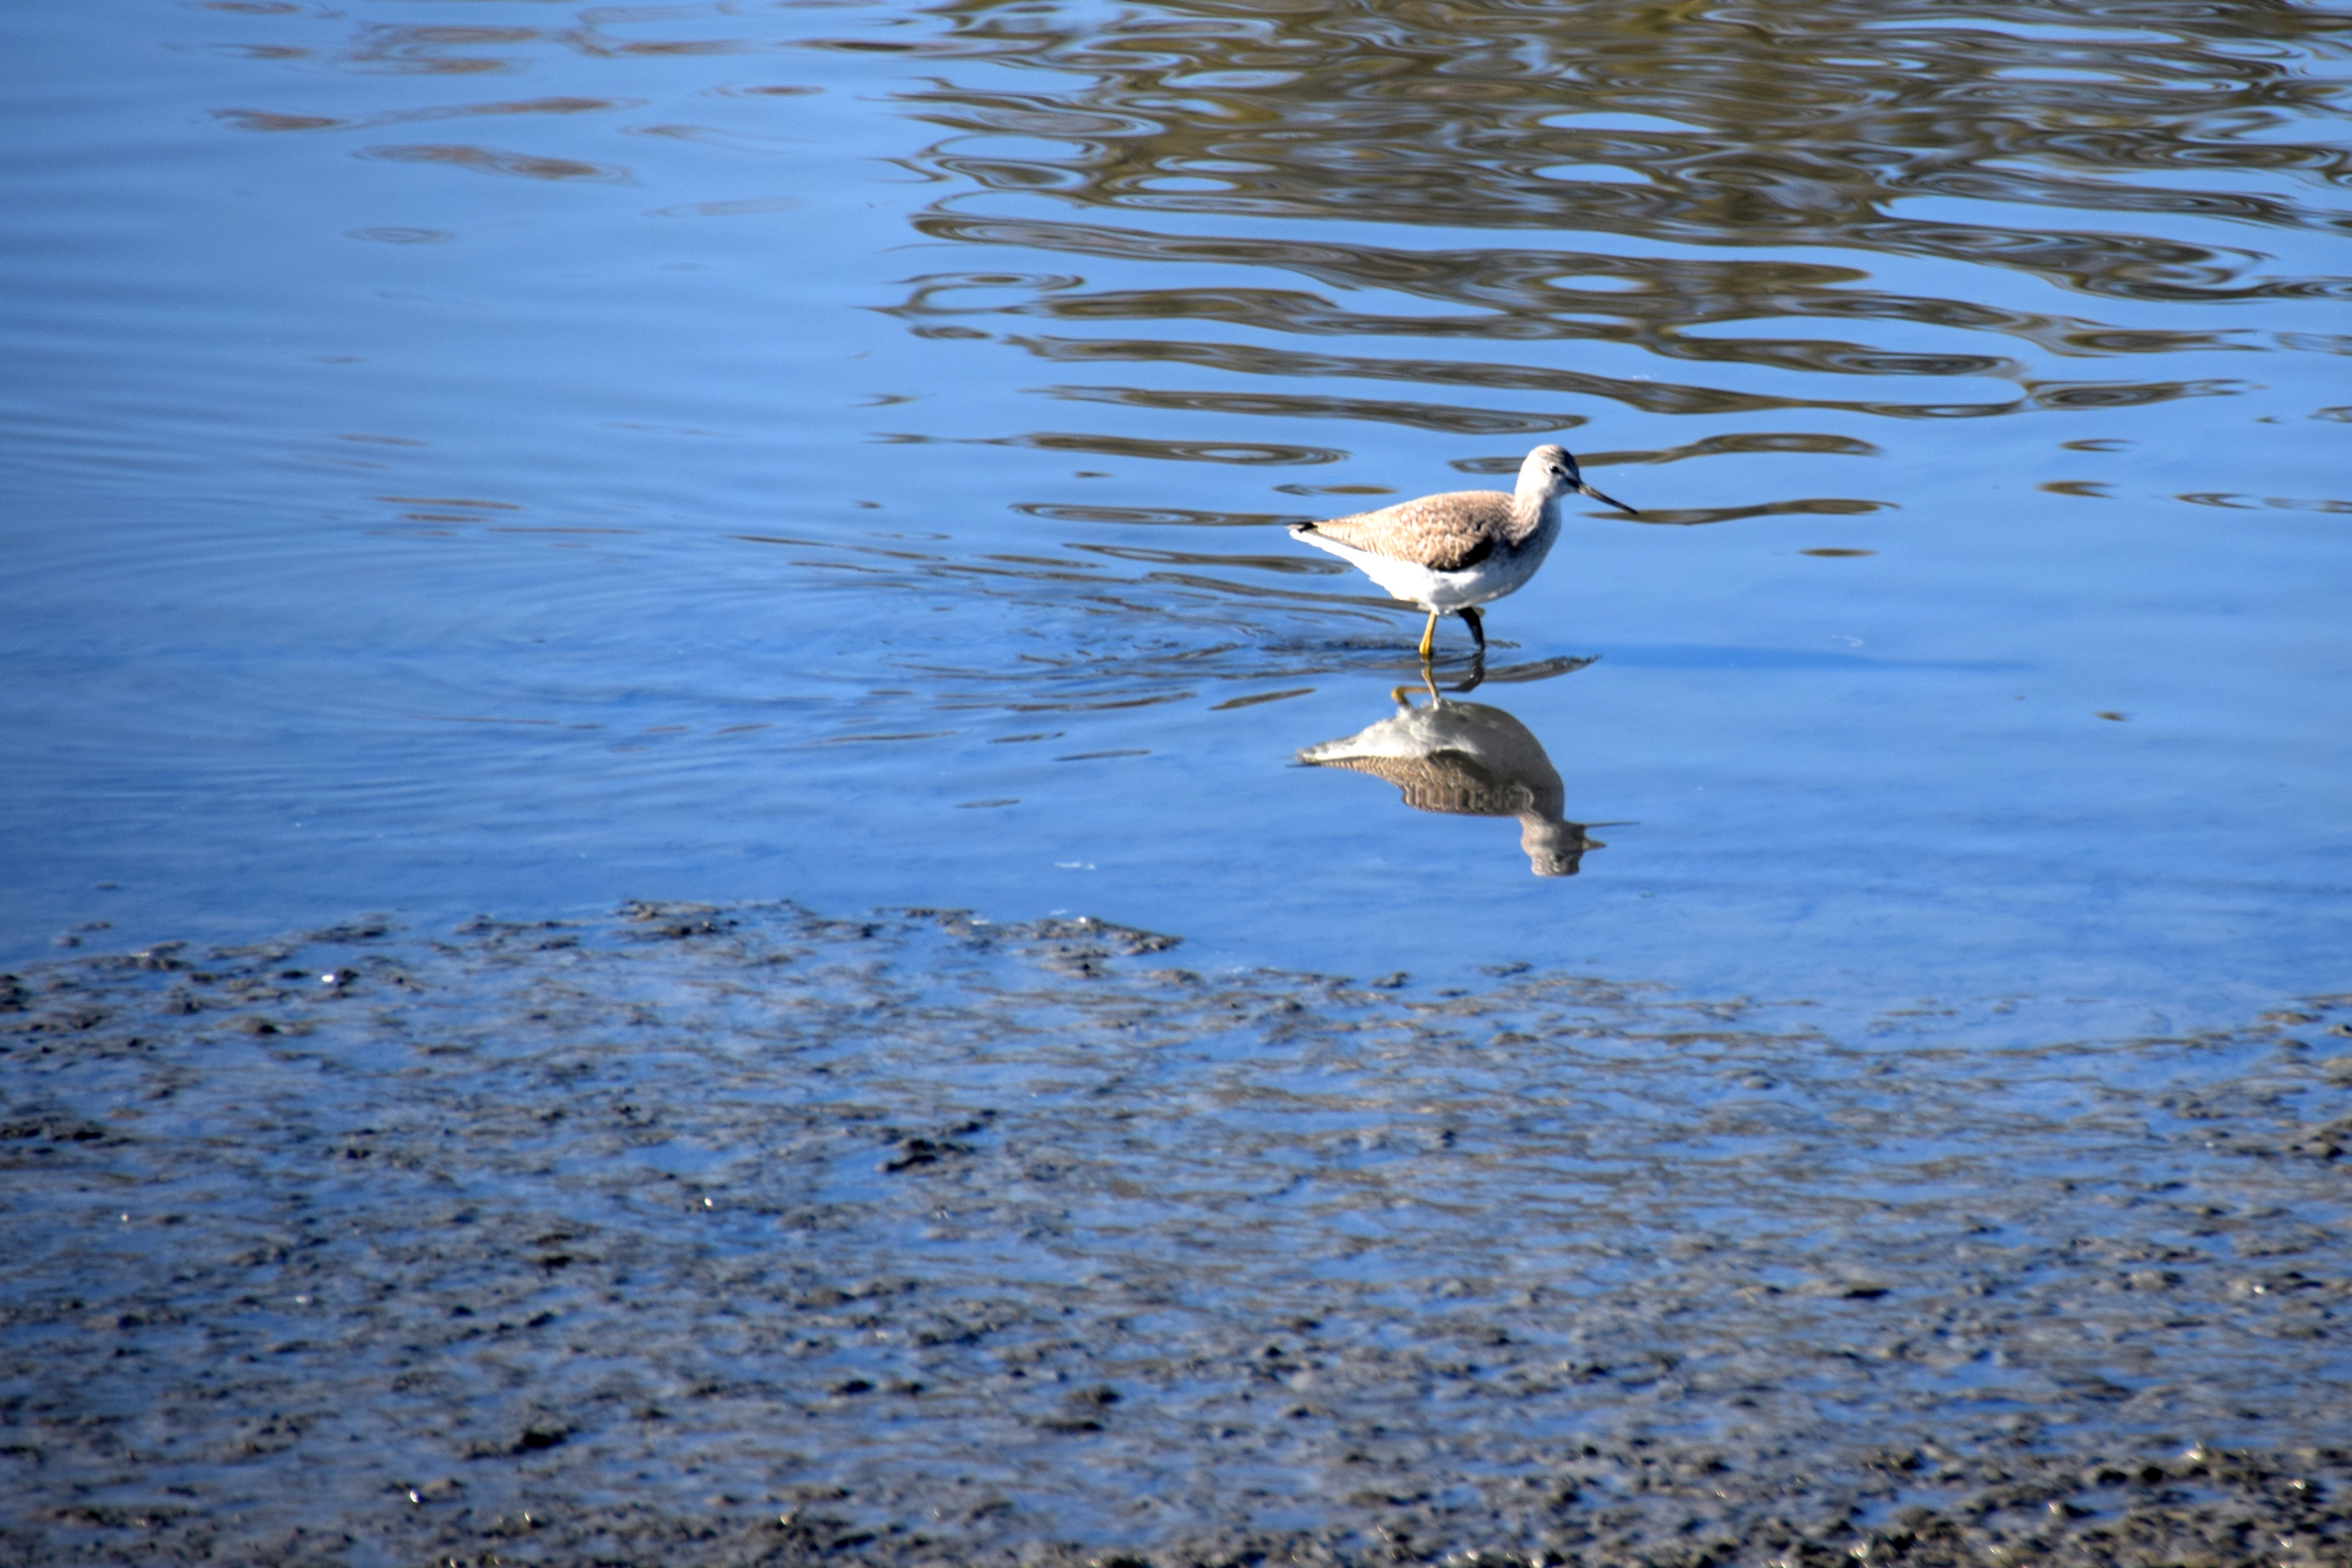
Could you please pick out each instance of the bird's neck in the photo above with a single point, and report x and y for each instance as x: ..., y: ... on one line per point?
x: 1535, y: 514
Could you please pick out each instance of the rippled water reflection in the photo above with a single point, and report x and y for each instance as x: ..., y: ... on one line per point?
x: 1468, y: 759
x: 519, y: 455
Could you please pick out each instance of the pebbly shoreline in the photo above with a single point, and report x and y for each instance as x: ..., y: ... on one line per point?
x: 746, y: 1236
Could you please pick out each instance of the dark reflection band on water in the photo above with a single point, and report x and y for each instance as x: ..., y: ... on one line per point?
x: 1470, y: 759
x: 1899, y: 131
x: 1895, y: 131
x: 1674, y: 121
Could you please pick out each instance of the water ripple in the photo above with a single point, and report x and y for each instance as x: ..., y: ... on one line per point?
x: 1811, y: 125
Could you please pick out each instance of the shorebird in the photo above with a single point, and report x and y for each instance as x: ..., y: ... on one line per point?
x: 1466, y: 759
x: 1450, y: 554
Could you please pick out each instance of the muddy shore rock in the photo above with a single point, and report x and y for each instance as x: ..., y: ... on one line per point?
x: 746, y: 1236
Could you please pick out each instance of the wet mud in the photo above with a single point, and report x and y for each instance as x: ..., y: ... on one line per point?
x: 744, y: 1235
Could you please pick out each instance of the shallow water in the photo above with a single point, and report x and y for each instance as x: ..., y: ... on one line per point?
x: 515, y: 455
x: 726, y: 1236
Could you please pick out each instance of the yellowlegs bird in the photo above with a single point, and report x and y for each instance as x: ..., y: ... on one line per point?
x: 1466, y: 759
x: 1450, y: 554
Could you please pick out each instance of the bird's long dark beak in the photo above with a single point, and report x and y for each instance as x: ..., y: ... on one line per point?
x: 1605, y: 501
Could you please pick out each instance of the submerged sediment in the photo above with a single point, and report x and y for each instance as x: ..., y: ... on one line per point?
x: 742, y: 1235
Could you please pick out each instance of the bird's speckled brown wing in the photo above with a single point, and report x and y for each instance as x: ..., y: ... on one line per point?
x: 1445, y: 533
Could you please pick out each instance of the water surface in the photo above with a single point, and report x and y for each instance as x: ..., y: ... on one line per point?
x: 516, y: 455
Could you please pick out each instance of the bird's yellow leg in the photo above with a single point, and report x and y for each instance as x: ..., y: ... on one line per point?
x: 1428, y: 634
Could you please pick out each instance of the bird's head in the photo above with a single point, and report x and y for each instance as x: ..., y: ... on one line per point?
x: 1554, y: 848
x: 1551, y: 472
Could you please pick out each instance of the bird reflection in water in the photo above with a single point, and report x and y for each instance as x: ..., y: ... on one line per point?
x: 1468, y: 759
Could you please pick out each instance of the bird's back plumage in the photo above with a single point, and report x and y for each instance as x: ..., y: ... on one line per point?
x: 1449, y: 533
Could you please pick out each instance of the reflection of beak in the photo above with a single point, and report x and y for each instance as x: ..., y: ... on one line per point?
x: 1605, y: 501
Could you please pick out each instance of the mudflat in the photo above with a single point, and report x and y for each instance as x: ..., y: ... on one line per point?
x: 704, y: 1235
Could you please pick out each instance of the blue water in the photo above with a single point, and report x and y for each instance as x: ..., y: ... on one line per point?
x: 516, y: 457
